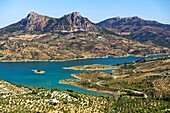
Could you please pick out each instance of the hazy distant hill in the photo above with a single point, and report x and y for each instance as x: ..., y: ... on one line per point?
x: 139, y: 29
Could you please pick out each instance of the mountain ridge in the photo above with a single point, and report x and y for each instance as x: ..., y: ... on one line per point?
x: 37, y: 23
x: 138, y: 29
x: 38, y: 38
x: 134, y: 28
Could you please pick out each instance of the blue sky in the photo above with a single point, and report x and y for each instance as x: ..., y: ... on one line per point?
x: 12, y: 11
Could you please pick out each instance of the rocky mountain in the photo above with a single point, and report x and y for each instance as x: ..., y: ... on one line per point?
x: 33, y: 23
x: 38, y: 24
x: 75, y: 22
x: 72, y: 36
x: 134, y: 28
x: 139, y: 29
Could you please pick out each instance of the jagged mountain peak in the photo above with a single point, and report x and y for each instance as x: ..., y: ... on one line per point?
x: 118, y: 18
x: 76, y: 14
x: 35, y: 22
x: 134, y: 17
x: 75, y: 22
x: 33, y: 18
x: 32, y: 14
x: 74, y: 17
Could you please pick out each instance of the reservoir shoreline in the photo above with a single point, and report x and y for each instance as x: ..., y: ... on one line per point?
x: 83, y: 58
x: 54, y: 71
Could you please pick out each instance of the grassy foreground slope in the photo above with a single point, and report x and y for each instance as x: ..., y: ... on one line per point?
x: 19, y: 99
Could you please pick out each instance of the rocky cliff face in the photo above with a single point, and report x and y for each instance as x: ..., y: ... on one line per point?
x: 139, y: 29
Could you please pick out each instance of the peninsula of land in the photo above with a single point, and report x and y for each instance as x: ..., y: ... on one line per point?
x: 91, y: 67
x: 145, y: 77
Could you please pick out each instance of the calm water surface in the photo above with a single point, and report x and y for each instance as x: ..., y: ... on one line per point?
x: 20, y: 72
